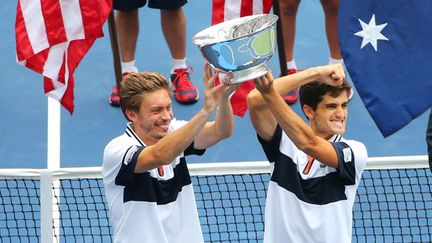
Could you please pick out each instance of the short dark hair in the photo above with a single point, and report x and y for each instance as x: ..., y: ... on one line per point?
x: 312, y: 93
x: 136, y: 84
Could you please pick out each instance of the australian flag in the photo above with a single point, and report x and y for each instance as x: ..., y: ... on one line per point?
x: 387, y: 49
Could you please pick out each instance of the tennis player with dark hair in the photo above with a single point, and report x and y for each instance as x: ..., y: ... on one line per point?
x: 147, y: 182
x: 315, y: 171
x: 288, y: 18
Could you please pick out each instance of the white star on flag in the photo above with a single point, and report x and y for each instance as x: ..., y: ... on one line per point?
x: 371, y: 33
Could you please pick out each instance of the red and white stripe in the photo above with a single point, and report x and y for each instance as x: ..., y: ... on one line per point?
x: 223, y: 10
x: 52, y: 37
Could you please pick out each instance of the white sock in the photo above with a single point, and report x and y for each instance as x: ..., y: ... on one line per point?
x: 335, y: 61
x: 129, y: 67
x: 178, y: 63
x: 291, y: 65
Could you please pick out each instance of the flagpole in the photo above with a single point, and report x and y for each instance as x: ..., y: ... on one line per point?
x: 114, y: 47
x: 280, y: 41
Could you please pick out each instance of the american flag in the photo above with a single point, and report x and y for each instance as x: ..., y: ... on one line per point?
x: 223, y: 10
x: 52, y: 37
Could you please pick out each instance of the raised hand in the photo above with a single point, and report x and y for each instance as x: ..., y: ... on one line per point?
x: 264, y: 83
x: 229, y: 88
x: 212, y: 93
x: 208, y: 73
x: 332, y: 74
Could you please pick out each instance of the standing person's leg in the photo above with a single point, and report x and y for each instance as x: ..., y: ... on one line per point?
x: 127, y: 26
x: 331, y: 10
x: 288, y: 12
x: 173, y: 23
x: 288, y: 15
x: 174, y: 29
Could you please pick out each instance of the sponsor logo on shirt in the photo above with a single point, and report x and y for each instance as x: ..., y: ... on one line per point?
x: 308, y: 166
x: 161, y: 171
x: 347, y: 154
x: 129, y: 154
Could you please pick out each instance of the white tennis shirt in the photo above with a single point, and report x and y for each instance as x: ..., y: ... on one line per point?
x: 306, y: 200
x: 155, y: 206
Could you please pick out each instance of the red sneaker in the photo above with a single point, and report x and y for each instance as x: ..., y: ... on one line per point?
x: 292, y: 96
x: 185, y: 91
x: 114, y: 98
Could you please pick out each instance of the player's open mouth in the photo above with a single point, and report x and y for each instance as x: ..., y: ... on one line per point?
x: 163, y: 128
x: 338, y: 123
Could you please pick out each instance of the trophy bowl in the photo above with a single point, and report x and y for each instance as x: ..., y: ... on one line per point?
x: 242, y: 46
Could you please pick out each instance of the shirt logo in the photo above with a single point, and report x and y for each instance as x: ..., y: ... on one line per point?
x: 347, y: 154
x: 129, y: 154
x: 308, y: 166
x: 161, y: 171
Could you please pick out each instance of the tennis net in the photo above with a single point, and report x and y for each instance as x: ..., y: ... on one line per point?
x: 393, y: 203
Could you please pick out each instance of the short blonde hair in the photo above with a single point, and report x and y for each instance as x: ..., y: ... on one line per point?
x: 135, y: 85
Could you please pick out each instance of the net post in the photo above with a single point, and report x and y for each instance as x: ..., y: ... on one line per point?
x: 46, y: 206
x: 53, y: 133
x: 53, y: 160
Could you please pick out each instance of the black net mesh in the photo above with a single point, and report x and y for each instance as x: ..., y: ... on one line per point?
x: 83, y: 211
x: 391, y: 206
x: 394, y: 206
x: 231, y: 207
x: 19, y: 211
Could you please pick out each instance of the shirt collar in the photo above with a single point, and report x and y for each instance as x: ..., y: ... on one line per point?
x: 131, y: 133
x: 335, y: 138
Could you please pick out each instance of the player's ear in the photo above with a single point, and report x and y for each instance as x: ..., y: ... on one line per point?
x: 131, y: 115
x: 308, y: 111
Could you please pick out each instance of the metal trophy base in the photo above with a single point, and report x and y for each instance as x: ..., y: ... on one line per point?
x: 248, y: 74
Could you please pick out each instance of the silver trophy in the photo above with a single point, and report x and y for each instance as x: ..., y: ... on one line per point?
x: 242, y: 46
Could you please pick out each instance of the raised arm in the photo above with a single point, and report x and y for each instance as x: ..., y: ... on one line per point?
x: 267, y: 102
x: 261, y: 116
x: 170, y: 146
x: 223, y: 124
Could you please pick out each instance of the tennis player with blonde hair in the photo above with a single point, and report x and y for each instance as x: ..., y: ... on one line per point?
x: 147, y: 182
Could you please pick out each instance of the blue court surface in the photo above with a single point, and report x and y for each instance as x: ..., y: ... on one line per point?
x: 23, y: 123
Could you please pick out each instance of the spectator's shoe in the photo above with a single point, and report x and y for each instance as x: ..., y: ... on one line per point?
x: 114, y: 98
x: 292, y: 96
x: 185, y: 91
